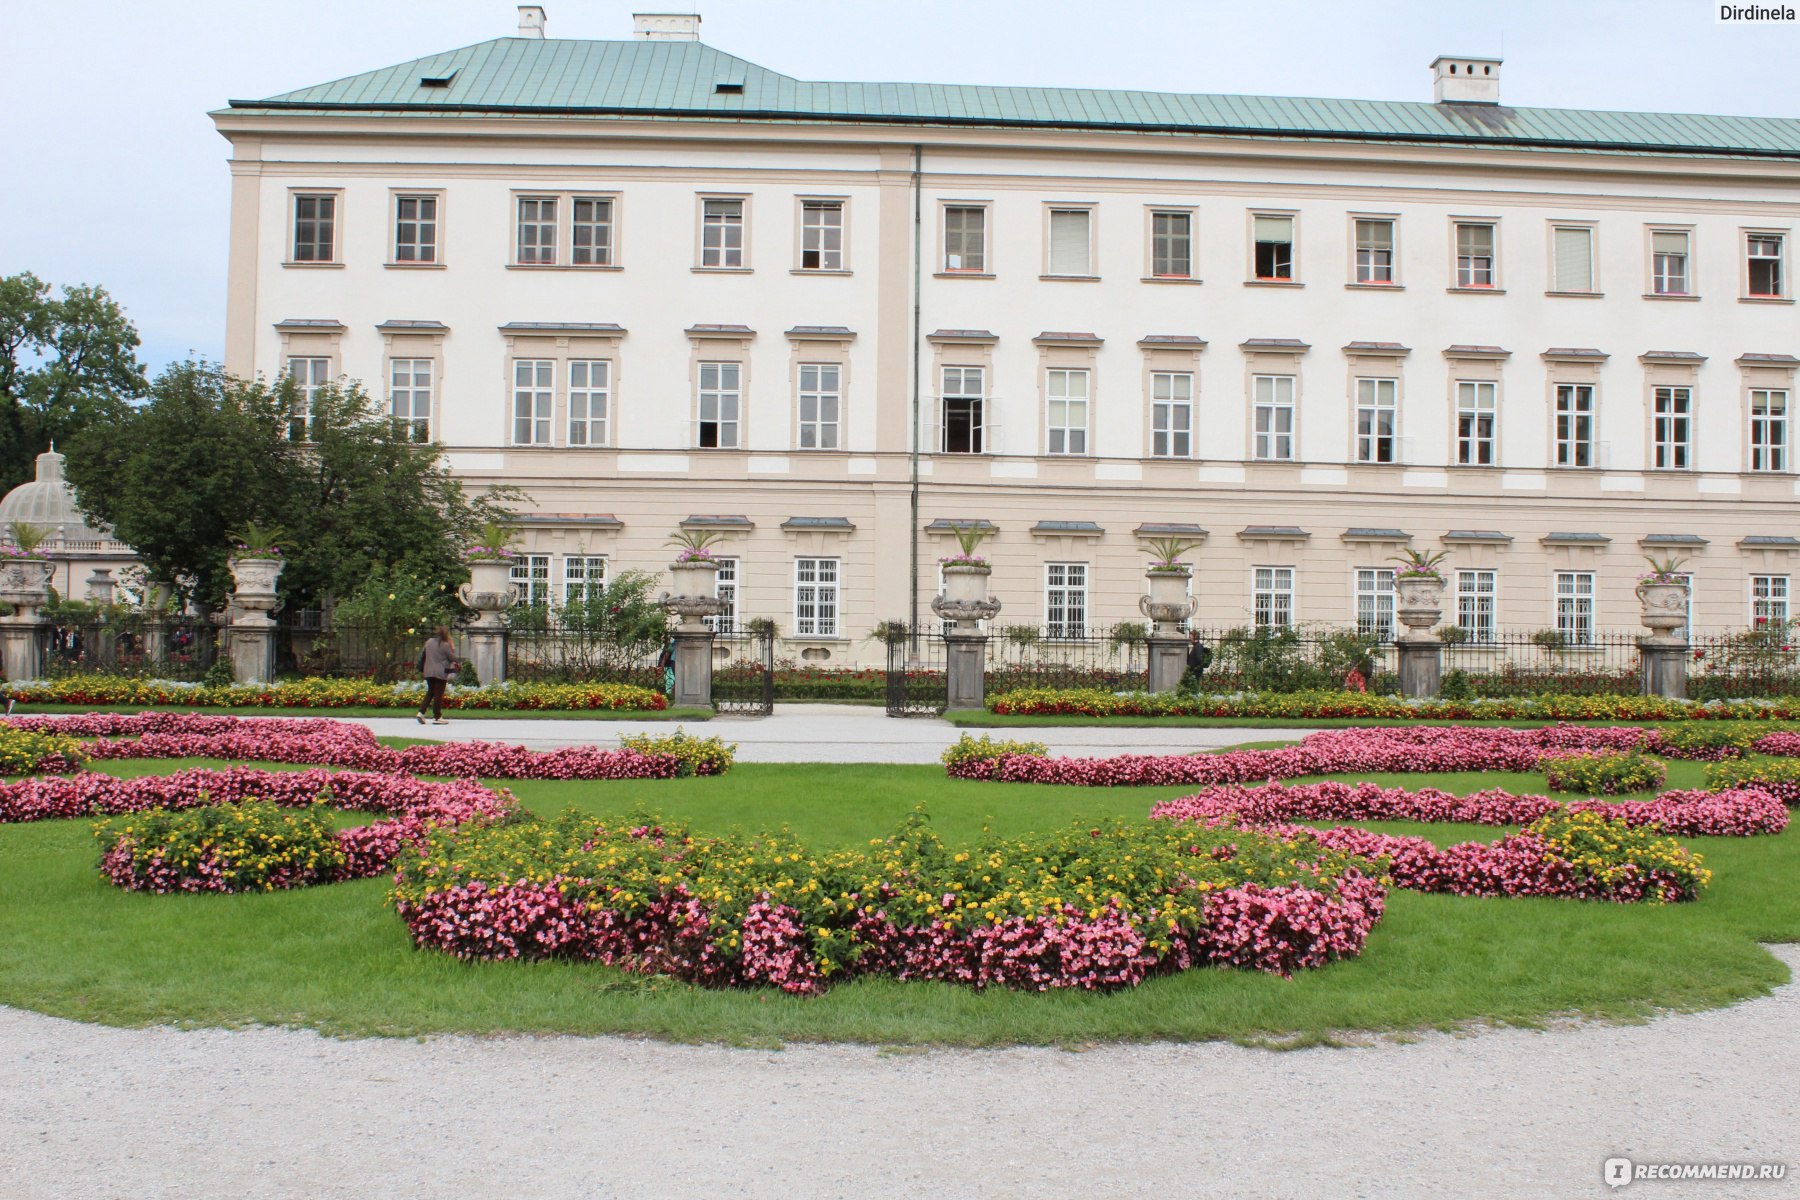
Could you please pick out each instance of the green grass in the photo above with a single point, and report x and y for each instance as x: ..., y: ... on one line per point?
x: 454, y: 714
x: 337, y: 958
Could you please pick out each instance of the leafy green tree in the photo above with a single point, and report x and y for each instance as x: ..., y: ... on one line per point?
x: 211, y: 453
x: 65, y: 363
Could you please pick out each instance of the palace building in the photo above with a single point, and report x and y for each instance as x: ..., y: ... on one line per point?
x: 659, y: 287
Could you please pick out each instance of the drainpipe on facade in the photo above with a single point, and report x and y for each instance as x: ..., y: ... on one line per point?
x: 912, y: 616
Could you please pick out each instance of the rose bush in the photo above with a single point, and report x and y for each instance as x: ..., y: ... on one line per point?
x: 1090, y: 906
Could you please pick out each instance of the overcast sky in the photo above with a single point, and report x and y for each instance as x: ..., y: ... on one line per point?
x: 113, y: 174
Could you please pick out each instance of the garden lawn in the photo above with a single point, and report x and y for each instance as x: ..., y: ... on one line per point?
x: 337, y: 957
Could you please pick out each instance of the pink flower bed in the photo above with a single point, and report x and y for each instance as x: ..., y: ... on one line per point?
x: 1738, y: 812
x: 320, y: 742
x: 1279, y: 930
x: 1783, y: 744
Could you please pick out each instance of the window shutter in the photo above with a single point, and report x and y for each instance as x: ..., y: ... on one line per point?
x: 1574, y: 260
x: 1374, y: 235
x: 1274, y: 229
x: 1476, y: 240
x: 1069, y: 242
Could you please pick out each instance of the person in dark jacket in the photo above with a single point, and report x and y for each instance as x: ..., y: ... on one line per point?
x: 1199, y: 658
x: 437, y: 663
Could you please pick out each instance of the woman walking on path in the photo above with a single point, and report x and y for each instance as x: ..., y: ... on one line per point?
x: 437, y: 662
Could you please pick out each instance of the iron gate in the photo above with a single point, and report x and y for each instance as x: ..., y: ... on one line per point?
x: 743, y: 681
x: 918, y: 684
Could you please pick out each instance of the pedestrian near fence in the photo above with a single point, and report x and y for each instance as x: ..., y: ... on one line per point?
x: 437, y: 663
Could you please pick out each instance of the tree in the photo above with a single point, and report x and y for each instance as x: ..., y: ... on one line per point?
x: 65, y: 363
x: 210, y: 453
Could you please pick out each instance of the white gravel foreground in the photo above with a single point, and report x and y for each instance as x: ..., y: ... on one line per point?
x: 94, y: 1112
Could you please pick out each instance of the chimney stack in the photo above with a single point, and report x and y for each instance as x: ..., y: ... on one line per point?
x: 1461, y: 79
x: 531, y: 21
x: 665, y: 27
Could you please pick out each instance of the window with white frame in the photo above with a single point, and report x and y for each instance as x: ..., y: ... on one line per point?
x: 1474, y: 256
x: 1374, y: 251
x: 534, y: 395
x: 537, y: 231
x: 1066, y: 413
x: 1672, y: 428
x: 1172, y: 414
x: 719, y: 405
x: 1272, y: 597
x: 1272, y: 256
x: 822, y: 235
x: 722, y: 233
x: 816, y: 597
x: 1071, y: 242
x: 590, y: 394
x: 309, y: 374
x: 1475, y: 597
x: 1065, y: 600
x: 1477, y: 405
x: 1768, y: 600
x: 1768, y: 429
x: 725, y: 585
x: 1273, y: 400
x: 409, y: 396
x: 1376, y: 417
x: 415, y: 229
x: 1763, y: 255
x: 965, y: 238
x: 1575, y: 425
x: 1575, y: 607
x: 531, y: 579
x: 821, y: 398
x: 1172, y: 245
x: 591, y: 231
x: 315, y: 228
x: 1572, y: 258
x: 1669, y: 251
x: 1375, y: 602
x: 963, y: 400
x: 584, y: 578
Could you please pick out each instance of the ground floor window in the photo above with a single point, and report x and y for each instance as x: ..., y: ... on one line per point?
x: 1065, y: 600
x: 584, y: 577
x: 1272, y: 597
x: 1768, y: 600
x: 816, y: 597
x: 1375, y: 602
x: 1475, y: 592
x: 531, y: 579
x: 725, y: 585
x: 1575, y: 607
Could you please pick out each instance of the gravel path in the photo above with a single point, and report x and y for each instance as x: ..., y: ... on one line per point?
x: 830, y: 733
x: 87, y: 1111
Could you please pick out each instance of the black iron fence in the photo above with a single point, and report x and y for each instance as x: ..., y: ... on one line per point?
x: 918, y: 683
x: 1532, y: 662
x: 743, y: 682
x: 1747, y: 664
x: 1111, y: 657
x: 165, y: 646
x: 581, y: 656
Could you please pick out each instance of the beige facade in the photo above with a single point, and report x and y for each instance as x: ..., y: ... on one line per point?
x: 749, y: 340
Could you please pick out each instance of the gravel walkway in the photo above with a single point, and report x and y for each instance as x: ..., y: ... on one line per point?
x: 830, y: 733
x: 87, y: 1111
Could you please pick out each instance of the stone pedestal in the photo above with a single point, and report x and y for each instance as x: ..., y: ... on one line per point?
x: 250, y: 641
x: 24, y: 584
x: 490, y: 593
x: 22, y: 648
x: 1168, y: 662
x: 966, y: 669
x: 693, y: 668
x: 100, y: 586
x: 252, y: 653
x: 1421, y: 667
x: 1663, y: 667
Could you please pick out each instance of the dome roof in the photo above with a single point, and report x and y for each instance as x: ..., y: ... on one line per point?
x: 49, y: 503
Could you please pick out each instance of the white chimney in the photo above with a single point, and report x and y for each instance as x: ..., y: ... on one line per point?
x: 665, y: 27
x: 1463, y: 80
x: 531, y: 21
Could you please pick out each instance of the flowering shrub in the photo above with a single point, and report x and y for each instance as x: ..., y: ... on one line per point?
x: 1391, y: 749
x: 1315, y: 705
x: 968, y: 749
x: 1602, y: 772
x: 1707, y: 742
x: 696, y: 755
x: 247, y: 847
x: 318, y: 741
x: 962, y: 559
x: 1778, y: 777
x: 26, y: 752
x: 1735, y: 813
x: 109, y: 690
x: 1093, y: 907
x: 1780, y: 743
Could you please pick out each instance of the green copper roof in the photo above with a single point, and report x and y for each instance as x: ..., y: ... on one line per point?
x: 531, y: 76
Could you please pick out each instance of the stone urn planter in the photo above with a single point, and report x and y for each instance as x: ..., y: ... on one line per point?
x: 964, y: 599
x: 1421, y: 604
x: 489, y: 589
x: 1663, y: 607
x: 1166, y: 601
x: 693, y: 593
x: 25, y: 584
x: 253, y: 580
